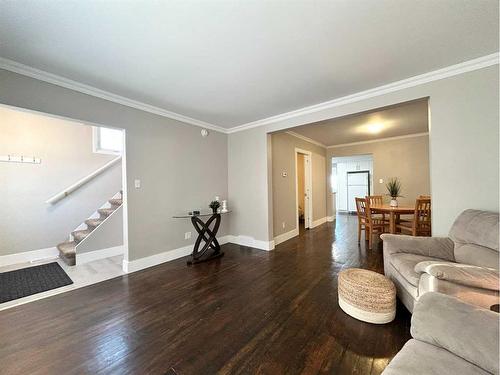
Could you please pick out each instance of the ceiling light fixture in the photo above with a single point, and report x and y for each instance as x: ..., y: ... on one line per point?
x: 374, y: 128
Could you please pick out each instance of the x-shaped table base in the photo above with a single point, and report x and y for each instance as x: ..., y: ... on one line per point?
x: 208, y: 236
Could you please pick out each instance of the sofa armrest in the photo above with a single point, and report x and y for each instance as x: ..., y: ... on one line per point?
x: 463, y: 274
x: 464, y: 330
x: 437, y: 247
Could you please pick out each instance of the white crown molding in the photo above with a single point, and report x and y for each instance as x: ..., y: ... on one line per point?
x: 54, y: 79
x: 452, y: 70
x: 380, y: 140
x: 304, y: 138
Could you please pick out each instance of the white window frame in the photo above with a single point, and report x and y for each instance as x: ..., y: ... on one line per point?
x: 96, y: 147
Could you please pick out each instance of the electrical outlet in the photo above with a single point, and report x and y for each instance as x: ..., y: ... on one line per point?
x: 381, y: 181
x: 137, y: 184
x: 187, y: 235
x: 283, y: 225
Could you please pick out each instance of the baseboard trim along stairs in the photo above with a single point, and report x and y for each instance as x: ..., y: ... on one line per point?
x: 69, y: 248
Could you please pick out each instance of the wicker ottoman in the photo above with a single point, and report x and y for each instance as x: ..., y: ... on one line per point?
x: 367, y: 295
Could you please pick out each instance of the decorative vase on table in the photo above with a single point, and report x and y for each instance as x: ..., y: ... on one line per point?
x: 224, y: 206
x: 394, y: 190
x: 214, y: 205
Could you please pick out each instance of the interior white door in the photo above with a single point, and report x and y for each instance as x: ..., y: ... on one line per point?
x: 307, y: 191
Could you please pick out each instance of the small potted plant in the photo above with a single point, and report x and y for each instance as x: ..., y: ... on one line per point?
x: 394, y: 190
x: 214, y: 205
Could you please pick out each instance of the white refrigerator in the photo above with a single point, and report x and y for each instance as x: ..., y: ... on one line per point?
x: 358, y: 186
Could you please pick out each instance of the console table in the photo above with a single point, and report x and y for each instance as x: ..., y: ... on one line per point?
x: 205, y: 234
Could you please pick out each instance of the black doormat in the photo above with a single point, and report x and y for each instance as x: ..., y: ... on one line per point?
x: 32, y: 280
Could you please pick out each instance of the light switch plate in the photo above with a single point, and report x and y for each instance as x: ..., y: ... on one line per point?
x: 137, y: 184
x: 187, y: 235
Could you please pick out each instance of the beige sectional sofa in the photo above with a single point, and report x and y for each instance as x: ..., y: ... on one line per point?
x: 449, y: 337
x: 464, y: 265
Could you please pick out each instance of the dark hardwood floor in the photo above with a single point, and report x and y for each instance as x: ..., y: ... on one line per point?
x: 250, y: 312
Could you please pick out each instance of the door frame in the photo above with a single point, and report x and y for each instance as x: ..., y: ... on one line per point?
x: 308, y: 201
x: 345, y: 159
x: 123, y: 162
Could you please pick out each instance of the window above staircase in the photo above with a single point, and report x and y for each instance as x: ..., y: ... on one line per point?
x: 107, y: 140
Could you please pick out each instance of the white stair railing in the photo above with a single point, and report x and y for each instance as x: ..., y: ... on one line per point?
x: 83, y: 181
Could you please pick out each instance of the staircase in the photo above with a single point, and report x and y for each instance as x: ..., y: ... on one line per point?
x: 67, y: 249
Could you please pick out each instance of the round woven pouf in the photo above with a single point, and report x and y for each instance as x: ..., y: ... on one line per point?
x: 367, y: 296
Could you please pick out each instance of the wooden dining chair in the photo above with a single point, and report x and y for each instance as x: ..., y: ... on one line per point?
x: 421, y: 223
x: 361, y: 212
x: 366, y: 222
x: 376, y: 200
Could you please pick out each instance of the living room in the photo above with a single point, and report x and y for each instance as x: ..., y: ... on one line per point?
x: 199, y: 105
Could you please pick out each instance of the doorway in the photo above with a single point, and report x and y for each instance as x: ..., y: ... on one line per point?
x: 352, y: 176
x: 73, y: 199
x: 303, y: 188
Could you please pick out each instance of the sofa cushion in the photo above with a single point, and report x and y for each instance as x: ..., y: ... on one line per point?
x: 405, y: 264
x: 465, y: 330
x: 476, y: 255
x: 475, y: 227
x: 417, y: 358
x: 475, y: 296
x: 463, y: 274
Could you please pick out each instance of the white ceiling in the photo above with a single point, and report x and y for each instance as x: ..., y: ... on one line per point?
x: 234, y: 62
x: 395, y: 121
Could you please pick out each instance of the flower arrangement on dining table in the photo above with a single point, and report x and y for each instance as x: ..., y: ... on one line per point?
x: 394, y: 189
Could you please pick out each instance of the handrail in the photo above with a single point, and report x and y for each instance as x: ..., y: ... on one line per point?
x: 83, y: 181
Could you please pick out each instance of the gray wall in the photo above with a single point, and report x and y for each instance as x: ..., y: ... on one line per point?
x: 407, y: 159
x: 464, y: 156
x: 284, y: 192
x: 250, y: 168
x: 26, y: 221
x: 170, y: 156
x: 178, y: 168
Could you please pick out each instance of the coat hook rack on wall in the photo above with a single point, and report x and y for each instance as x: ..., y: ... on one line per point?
x: 20, y: 159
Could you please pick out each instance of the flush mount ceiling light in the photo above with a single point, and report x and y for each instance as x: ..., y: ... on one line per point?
x: 374, y: 127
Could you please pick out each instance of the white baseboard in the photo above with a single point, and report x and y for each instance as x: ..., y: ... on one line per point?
x: 251, y: 242
x: 330, y: 218
x: 90, y: 256
x: 286, y: 236
x: 29, y: 256
x: 166, y: 256
x: 318, y: 222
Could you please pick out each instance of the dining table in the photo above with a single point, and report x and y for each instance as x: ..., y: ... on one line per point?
x: 394, y: 213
